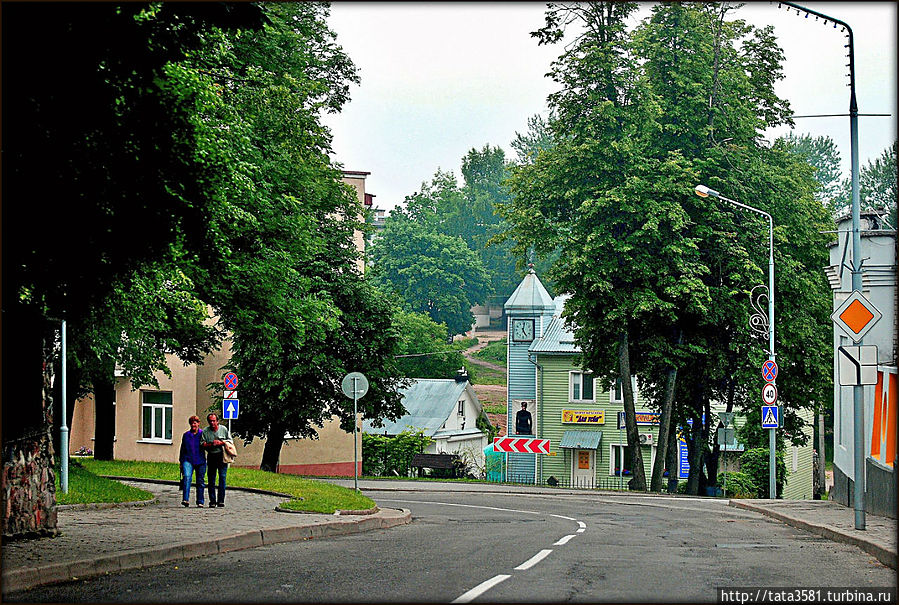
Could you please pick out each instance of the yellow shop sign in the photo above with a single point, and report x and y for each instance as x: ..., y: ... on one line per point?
x: 584, y: 416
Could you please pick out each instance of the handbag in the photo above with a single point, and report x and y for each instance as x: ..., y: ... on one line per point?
x: 229, y: 452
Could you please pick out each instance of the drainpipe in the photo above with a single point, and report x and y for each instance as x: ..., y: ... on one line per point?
x: 539, y: 411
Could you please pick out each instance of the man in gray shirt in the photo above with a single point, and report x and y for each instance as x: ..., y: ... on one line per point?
x: 212, y: 441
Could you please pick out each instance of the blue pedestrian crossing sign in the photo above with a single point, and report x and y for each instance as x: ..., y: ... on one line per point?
x: 770, y: 417
x: 230, y: 409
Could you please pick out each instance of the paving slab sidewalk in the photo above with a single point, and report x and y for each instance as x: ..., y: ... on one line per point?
x: 833, y: 521
x: 97, y: 540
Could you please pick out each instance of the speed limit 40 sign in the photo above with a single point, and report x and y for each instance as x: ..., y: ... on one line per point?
x: 769, y: 394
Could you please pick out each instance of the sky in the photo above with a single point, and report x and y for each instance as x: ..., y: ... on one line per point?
x: 438, y: 79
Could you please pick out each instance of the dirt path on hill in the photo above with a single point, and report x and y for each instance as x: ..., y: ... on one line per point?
x: 489, y: 394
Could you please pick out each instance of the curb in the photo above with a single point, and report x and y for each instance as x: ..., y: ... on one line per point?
x: 884, y: 555
x: 31, y: 577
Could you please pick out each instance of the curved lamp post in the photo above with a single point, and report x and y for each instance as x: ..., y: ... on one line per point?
x: 704, y: 192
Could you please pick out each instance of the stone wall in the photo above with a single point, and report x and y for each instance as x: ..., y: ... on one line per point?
x: 29, y: 492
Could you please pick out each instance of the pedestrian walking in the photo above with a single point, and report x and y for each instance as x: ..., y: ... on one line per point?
x: 192, y: 460
x: 213, y: 442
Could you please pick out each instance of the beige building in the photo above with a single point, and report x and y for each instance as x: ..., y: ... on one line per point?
x: 149, y: 422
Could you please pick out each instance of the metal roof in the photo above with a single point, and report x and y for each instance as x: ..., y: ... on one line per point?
x: 557, y: 338
x: 581, y: 440
x: 530, y: 295
x: 428, y: 403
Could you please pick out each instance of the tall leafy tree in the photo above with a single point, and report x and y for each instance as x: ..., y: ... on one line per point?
x: 432, y: 272
x: 423, y: 351
x: 280, y: 265
x: 660, y: 278
x: 823, y: 155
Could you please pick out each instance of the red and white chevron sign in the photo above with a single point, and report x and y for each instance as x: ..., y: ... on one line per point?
x: 521, y: 445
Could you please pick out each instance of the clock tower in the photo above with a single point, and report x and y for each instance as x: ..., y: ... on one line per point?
x: 529, y: 310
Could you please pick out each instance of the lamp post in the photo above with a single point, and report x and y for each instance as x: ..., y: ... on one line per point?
x: 858, y: 402
x: 704, y: 192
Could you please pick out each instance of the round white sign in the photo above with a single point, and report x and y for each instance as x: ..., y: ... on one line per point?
x: 769, y: 394
x: 354, y: 381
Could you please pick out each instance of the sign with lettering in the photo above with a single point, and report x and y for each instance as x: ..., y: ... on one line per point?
x: 584, y: 416
x: 643, y: 419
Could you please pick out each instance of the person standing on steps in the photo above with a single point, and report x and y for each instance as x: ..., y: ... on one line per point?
x: 192, y: 459
x: 213, y: 441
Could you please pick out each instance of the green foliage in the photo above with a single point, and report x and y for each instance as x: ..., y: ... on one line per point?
x: 755, y: 465
x: 640, y: 118
x: 495, y: 352
x: 384, y: 455
x: 420, y: 335
x: 822, y: 154
x: 483, y: 424
x: 433, y: 273
x: 739, y: 485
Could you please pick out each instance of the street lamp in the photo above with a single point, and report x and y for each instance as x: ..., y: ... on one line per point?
x: 705, y: 192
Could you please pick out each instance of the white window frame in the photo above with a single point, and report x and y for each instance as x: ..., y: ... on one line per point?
x: 612, y: 398
x: 571, y: 384
x: 153, y: 407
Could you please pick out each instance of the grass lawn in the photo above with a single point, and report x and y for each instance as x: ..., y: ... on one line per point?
x: 86, y: 487
x: 496, y: 408
x: 495, y: 352
x: 481, y: 375
x: 308, y: 495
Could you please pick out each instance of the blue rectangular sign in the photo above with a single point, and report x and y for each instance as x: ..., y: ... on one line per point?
x: 230, y: 409
x: 683, y: 460
x: 770, y: 417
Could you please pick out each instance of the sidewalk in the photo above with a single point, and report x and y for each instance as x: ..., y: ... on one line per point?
x: 96, y: 540
x: 833, y: 521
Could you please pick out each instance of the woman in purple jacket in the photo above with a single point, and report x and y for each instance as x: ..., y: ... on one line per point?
x: 192, y: 459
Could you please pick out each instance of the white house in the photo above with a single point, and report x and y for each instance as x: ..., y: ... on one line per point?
x: 446, y: 410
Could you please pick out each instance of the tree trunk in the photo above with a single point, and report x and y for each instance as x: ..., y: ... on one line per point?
x: 671, y: 459
x: 664, y: 429
x: 638, y: 482
x: 271, y: 453
x: 104, y: 417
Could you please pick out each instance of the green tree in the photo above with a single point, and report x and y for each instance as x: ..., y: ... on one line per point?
x: 878, y: 185
x: 422, y: 350
x: 281, y: 269
x: 537, y: 138
x: 822, y: 153
x: 106, y: 145
x: 660, y: 278
x: 433, y: 273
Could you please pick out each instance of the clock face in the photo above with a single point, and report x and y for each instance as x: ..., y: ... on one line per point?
x: 523, y: 330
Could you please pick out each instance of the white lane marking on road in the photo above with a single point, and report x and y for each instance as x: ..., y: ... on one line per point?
x: 534, y: 560
x: 508, y: 510
x: 564, y: 517
x: 481, y: 588
x: 582, y: 525
x: 580, y: 531
x: 564, y: 540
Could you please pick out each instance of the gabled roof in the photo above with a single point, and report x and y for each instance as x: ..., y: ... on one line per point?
x: 557, y: 338
x: 530, y: 295
x: 428, y: 403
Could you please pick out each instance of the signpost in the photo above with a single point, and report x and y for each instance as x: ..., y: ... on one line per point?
x: 769, y: 373
x: 354, y: 386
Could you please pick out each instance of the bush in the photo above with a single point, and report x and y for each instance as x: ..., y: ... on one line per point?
x: 739, y: 485
x: 754, y: 463
x: 384, y: 456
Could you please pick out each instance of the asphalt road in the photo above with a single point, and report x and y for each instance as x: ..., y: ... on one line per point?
x: 464, y: 547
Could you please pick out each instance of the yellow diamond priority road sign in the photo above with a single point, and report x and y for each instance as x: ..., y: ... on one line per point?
x: 856, y: 316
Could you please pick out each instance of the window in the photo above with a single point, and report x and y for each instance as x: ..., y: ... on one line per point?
x: 157, y: 416
x: 617, y: 394
x: 580, y: 386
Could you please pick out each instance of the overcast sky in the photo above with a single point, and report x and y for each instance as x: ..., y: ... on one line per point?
x: 441, y: 78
